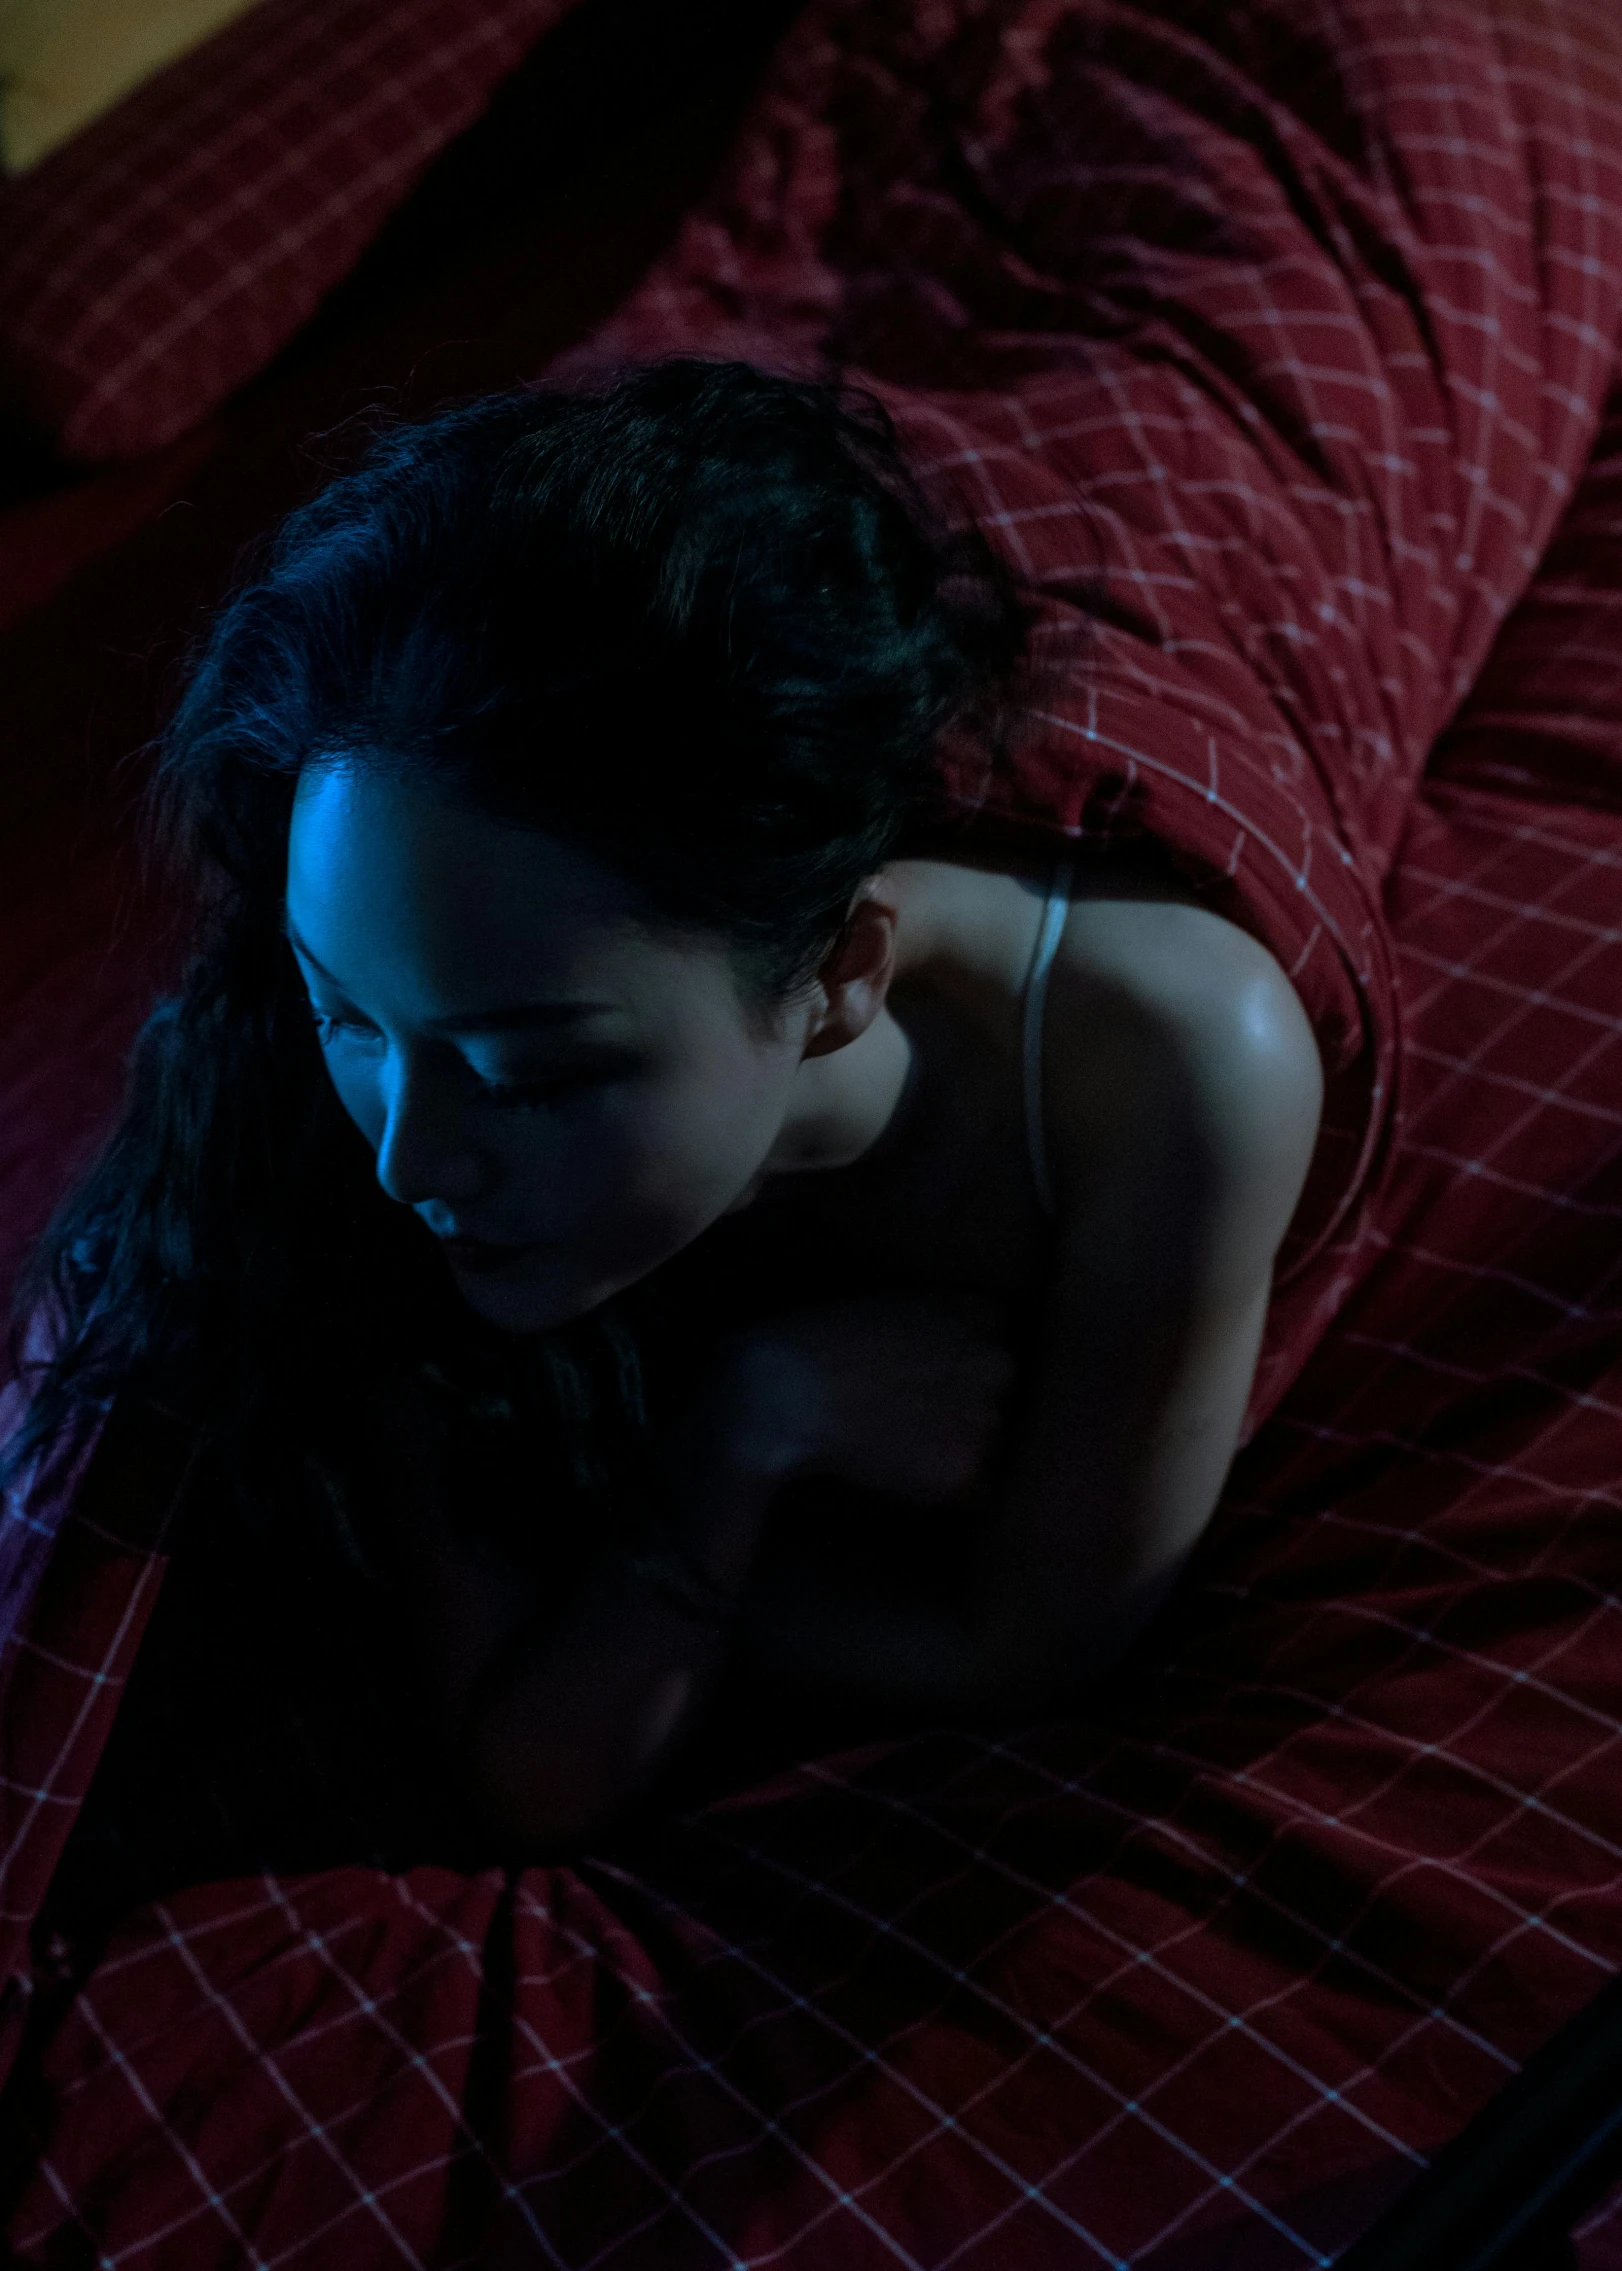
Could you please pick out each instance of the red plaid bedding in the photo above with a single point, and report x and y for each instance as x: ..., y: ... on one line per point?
x: 1297, y: 323
x: 164, y: 254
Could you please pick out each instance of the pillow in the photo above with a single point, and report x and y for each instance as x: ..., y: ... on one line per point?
x: 63, y: 62
x: 155, y: 260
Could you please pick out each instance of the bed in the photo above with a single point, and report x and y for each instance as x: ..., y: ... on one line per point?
x: 1280, y: 343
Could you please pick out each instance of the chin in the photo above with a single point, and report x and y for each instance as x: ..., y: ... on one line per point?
x: 541, y: 1299
x: 523, y: 1309
x: 552, y: 1288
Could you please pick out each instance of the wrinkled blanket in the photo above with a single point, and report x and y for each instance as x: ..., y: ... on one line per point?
x: 1279, y: 340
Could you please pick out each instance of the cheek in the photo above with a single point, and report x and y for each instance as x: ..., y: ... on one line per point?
x: 654, y: 1172
x: 702, y: 1136
x: 520, y: 1151
x: 632, y: 1179
x: 622, y: 1191
x: 360, y: 1092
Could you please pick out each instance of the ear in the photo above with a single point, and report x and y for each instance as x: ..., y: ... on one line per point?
x: 855, y: 977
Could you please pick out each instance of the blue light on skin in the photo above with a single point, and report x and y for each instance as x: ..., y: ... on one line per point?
x: 635, y: 1100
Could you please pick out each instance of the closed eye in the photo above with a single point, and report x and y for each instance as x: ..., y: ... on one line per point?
x: 504, y: 1096
x: 325, y: 1026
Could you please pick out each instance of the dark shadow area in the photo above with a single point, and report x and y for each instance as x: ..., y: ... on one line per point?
x: 525, y: 234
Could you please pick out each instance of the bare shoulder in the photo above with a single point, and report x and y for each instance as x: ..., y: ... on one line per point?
x: 1146, y: 976
x: 1141, y: 976
x: 1214, y: 984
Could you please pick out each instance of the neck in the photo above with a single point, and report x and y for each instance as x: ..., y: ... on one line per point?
x: 846, y: 1100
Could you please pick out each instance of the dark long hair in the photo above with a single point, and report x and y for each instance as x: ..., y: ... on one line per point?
x: 699, y: 619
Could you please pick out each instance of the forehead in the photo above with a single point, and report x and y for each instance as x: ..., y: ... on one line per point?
x: 397, y: 889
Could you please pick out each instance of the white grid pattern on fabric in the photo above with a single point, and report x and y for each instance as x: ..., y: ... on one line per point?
x: 1348, y: 1849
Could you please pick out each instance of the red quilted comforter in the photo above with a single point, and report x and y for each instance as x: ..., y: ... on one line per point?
x: 1279, y: 338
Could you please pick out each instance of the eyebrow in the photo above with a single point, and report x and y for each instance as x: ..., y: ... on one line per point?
x: 518, y: 1017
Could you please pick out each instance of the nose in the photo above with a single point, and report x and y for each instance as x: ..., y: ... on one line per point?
x: 423, y: 1152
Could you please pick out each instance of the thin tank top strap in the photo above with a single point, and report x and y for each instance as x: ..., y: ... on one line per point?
x: 1036, y: 986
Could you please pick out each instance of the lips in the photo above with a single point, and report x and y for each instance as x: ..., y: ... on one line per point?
x: 477, y: 1255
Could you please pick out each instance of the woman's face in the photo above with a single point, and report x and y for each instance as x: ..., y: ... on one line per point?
x: 531, y: 1064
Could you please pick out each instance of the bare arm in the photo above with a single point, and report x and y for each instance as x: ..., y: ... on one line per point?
x: 1184, y: 1098
x: 1184, y: 1101
x: 557, y: 1711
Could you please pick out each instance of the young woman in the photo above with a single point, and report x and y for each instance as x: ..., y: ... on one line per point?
x: 624, y: 1184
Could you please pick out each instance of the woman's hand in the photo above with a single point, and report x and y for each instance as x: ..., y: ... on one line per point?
x: 903, y: 1394
x: 900, y: 1394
